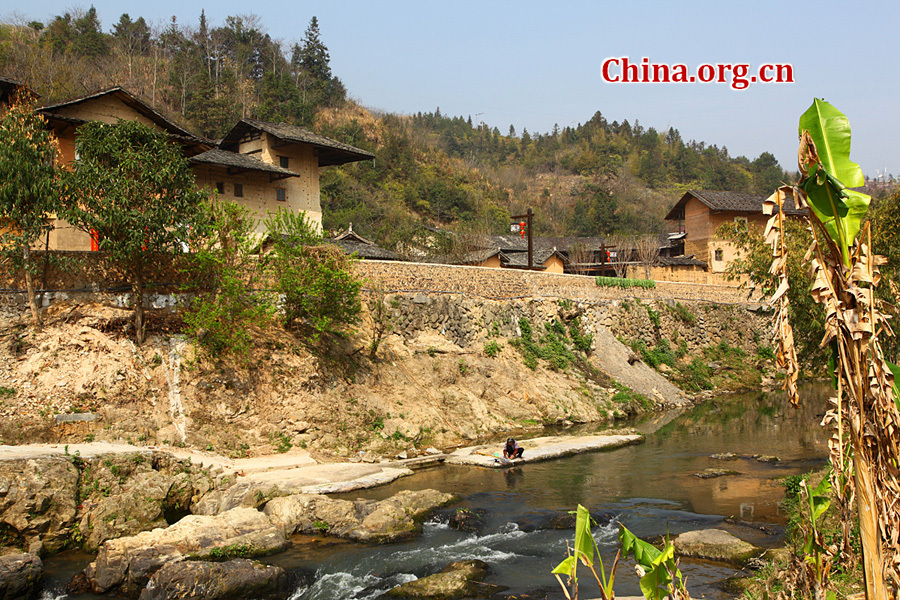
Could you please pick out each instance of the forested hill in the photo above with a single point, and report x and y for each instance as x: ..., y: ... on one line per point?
x: 431, y: 169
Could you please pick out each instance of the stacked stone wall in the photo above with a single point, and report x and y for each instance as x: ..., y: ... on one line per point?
x: 468, y: 321
x: 491, y: 283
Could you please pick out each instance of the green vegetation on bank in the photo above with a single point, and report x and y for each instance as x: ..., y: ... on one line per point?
x: 624, y: 282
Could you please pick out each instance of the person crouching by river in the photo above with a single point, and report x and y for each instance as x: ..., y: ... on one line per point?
x: 512, y: 450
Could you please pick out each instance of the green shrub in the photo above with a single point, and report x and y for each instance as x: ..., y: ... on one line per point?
x: 654, y: 316
x: 492, y: 349
x: 765, y: 353
x: 315, y: 283
x: 696, y: 376
x: 225, y: 309
x: 658, y: 355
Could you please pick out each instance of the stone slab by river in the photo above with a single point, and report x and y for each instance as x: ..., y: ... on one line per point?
x: 539, y: 449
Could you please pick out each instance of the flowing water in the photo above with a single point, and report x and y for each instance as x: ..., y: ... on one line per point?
x: 650, y: 488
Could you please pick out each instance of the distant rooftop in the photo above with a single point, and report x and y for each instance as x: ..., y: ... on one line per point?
x: 330, y: 152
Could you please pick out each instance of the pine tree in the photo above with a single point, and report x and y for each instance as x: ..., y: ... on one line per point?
x: 89, y: 40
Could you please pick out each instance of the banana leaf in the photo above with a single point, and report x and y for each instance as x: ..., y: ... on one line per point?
x: 840, y: 210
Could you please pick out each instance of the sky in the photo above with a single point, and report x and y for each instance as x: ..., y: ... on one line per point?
x: 536, y: 64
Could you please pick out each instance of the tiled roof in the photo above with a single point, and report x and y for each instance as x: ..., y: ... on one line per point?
x: 8, y: 86
x: 479, y: 256
x: 520, y: 259
x: 331, y: 152
x: 233, y: 160
x: 370, y: 251
x: 132, y: 101
x: 515, y: 243
x: 730, y: 201
x: 681, y: 261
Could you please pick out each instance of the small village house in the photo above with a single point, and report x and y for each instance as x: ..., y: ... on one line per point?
x: 264, y: 166
x: 700, y: 213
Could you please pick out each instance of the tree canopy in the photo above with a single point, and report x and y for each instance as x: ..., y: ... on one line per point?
x: 133, y: 190
x: 29, y: 193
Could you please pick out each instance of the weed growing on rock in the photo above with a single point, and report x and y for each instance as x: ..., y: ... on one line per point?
x: 231, y: 551
x: 765, y: 353
x: 282, y: 443
x: 630, y: 399
x: 492, y: 349
x: 684, y: 313
x: 696, y: 376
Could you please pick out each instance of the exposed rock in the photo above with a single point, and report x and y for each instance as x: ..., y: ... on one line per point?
x: 463, y: 519
x: 725, y: 456
x: 238, y: 578
x: 461, y: 579
x: 244, y: 494
x: 125, y: 565
x: 712, y: 473
x: 20, y: 576
x: 714, y: 544
x: 140, y: 508
x: 765, y: 458
x: 38, y: 500
x: 124, y: 494
x: 363, y: 520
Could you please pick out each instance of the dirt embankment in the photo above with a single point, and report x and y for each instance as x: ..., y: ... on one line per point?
x: 423, y: 389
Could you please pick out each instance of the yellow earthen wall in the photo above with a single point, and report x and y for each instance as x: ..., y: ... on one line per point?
x: 303, y: 191
x: 492, y: 263
x: 107, y: 109
x: 554, y: 264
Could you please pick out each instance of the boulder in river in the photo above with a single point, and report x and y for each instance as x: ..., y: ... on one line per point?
x: 238, y: 578
x: 20, y: 576
x: 712, y: 473
x: 125, y: 565
x: 714, y: 544
x: 461, y: 579
x: 385, y: 520
x: 39, y: 500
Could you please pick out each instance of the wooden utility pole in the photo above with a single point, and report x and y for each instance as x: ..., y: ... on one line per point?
x: 527, y: 216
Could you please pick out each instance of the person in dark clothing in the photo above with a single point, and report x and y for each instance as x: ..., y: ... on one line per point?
x: 512, y: 449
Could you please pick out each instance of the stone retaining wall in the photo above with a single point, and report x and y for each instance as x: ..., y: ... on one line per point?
x: 469, y: 321
x: 491, y: 283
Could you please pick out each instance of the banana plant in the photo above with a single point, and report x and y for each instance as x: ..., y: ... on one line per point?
x: 585, y: 551
x: 660, y: 577
x: 845, y: 273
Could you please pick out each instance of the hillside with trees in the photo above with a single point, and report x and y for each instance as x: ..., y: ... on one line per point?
x: 431, y: 170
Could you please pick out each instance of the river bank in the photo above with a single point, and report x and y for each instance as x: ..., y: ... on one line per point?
x: 449, y: 372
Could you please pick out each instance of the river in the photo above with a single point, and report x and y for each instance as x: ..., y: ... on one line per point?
x: 650, y: 488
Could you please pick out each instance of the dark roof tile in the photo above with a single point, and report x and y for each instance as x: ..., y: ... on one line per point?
x: 331, y: 152
x: 233, y: 160
x: 730, y: 201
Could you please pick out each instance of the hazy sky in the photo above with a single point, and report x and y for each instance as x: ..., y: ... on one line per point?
x: 532, y: 65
